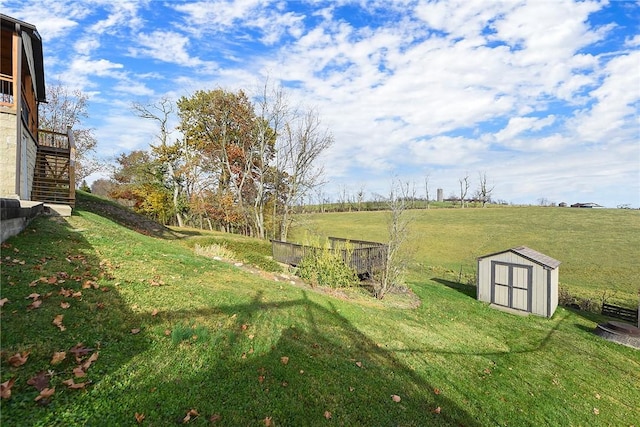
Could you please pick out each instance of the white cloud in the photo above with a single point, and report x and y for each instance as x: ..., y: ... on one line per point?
x: 615, y: 109
x: 166, y: 46
x: 519, y: 125
x: 633, y: 41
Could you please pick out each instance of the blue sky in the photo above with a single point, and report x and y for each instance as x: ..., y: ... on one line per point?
x: 542, y: 95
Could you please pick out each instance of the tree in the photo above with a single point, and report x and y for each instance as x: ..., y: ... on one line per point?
x: 169, y: 155
x: 426, y: 189
x: 65, y: 109
x: 392, y: 274
x: 139, y: 179
x: 220, y: 126
x: 464, y: 188
x: 484, y: 191
x: 272, y: 110
x: 102, y: 187
x: 302, y: 143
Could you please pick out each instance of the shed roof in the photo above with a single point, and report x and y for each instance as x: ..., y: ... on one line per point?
x: 531, y: 255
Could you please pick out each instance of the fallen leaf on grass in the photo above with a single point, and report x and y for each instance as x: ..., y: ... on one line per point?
x: 139, y: 418
x: 395, y: 398
x: 154, y: 282
x: 596, y: 411
x: 79, y: 351
x: 79, y: 372
x: 45, y: 394
x: 191, y: 413
x: 214, y: 418
x: 327, y: 415
x: 88, y: 284
x: 87, y: 364
x: 284, y: 360
x: 58, y: 322
x: 3, y: 301
x: 19, y: 359
x: 5, y: 388
x: 268, y: 422
x: 437, y: 410
x: 73, y: 385
x: 33, y: 296
x: 52, y: 280
x: 167, y: 332
x: 37, y: 303
x: 154, y: 312
x: 58, y: 357
x: 65, y: 292
x: 359, y: 364
x: 135, y: 331
x: 64, y: 305
x: 40, y: 381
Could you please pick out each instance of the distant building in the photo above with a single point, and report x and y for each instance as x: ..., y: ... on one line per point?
x: 586, y: 205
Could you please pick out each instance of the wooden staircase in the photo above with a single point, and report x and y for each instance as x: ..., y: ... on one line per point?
x: 53, y: 178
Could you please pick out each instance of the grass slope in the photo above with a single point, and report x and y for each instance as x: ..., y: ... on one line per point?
x: 175, y: 332
x: 598, y: 248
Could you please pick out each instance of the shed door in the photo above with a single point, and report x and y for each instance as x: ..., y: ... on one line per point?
x: 511, y: 285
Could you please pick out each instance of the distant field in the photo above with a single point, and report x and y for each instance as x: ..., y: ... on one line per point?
x: 599, y: 248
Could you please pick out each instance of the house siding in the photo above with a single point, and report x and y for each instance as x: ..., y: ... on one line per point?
x: 8, y: 147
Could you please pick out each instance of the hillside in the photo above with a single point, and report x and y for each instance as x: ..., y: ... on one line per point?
x: 105, y: 325
x: 598, y: 248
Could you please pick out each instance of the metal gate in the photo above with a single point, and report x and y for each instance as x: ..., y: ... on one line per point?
x: 511, y: 285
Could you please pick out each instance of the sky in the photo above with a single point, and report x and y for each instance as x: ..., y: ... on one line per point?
x: 542, y: 96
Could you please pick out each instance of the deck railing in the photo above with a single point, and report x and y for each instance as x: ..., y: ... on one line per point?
x: 51, y: 139
x: 363, y: 257
x: 6, y: 89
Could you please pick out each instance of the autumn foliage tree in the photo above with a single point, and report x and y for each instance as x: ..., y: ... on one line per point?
x: 240, y: 164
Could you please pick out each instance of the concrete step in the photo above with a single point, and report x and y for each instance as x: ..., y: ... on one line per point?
x: 55, y: 209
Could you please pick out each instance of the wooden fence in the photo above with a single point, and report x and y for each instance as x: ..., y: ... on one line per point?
x: 629, y: 315
x: 363, y: 257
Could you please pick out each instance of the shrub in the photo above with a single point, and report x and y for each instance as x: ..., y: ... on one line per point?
x: 584, y: 304
x: 213, y: 251
x: 325, y: 267
x: 262, y: 262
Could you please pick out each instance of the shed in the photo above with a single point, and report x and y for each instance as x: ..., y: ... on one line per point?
x: 521, y: 279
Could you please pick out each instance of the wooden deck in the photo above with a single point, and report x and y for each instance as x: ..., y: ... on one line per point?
x: 362, y: 256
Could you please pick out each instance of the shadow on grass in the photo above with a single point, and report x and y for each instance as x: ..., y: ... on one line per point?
x: 330, y: 366
x: 124, y: 216
x: 468, y: 290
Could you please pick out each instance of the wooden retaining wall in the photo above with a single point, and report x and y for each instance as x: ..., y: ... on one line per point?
x: 363, y: 257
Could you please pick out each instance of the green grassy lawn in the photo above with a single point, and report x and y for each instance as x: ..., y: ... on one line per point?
x: 180, y: 337
x: 598, y: 248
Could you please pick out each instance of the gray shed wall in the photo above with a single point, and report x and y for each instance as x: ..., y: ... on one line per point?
x: 543, y: 282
